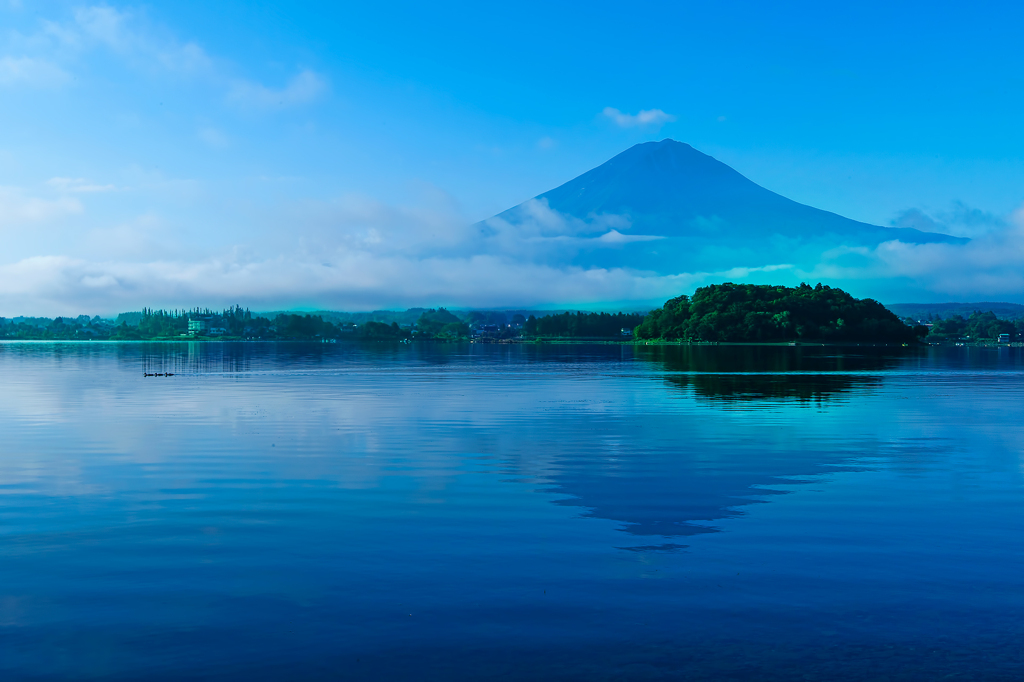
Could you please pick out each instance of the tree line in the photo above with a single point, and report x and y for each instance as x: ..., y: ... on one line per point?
x: 150, y: 324
x: 582, y: 325
x: 978, y: 326
x: 723, y: 312
x: 237, y: 323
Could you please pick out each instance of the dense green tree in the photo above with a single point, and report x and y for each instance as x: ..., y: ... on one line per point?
x: 582, y: 325
x: 432, y: 321
x: 291, y: 326
x: 763, y: 313
x: 454, y: 330
x: 380, y: 330
x: 477, y: 317
x: 978, y: 326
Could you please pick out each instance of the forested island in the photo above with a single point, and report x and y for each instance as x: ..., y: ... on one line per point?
x: 751, y: 313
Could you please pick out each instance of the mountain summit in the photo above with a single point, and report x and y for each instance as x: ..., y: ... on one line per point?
x: 666, y: 207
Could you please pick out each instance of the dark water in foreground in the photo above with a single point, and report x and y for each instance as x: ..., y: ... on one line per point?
x: 485, y: 512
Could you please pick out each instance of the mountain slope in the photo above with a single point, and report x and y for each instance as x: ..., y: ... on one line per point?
x: 675, y: 209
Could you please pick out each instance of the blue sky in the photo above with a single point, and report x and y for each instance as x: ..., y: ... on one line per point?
x: 317, y: 154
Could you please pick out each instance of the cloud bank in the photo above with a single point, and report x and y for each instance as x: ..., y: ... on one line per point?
x: 990, y: 265
x: 350, y: 280
x: 356, y: 253
x: 959, y: 220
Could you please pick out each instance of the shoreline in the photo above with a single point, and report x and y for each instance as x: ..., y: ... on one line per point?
x: 531, y: 342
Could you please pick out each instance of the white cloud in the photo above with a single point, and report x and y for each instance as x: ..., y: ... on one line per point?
x: 959, y: 219
x: 77, y: 185
x: 535, y: 218
x: 352, y: 253
x: 187, y: 58
x: 107, y: 28
x: 122, y: 33
x: 616, y: 237
x: 535, y: 231
x: 106, y: 25
x: 49, y: 56
x: 125, y: 34
x: 743, y: 273
x: 31, y: 72
x: 645, y: 117
x: 138, y: 238
x: 17, y: 208
x: 374, y: 272
x: 213, y: 137
x: 303, y: 88
x: 350, y: 280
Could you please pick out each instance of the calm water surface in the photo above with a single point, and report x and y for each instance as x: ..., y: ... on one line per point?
x: 494, y: 512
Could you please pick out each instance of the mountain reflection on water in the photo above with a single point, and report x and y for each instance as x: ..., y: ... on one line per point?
x: 689, y: 480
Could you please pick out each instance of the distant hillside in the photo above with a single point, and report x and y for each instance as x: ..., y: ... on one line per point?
x: 402, y: 317
x: 666, y: 207
x: 921, y: 311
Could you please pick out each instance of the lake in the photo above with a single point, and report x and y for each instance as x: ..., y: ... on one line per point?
x: 466, y: 512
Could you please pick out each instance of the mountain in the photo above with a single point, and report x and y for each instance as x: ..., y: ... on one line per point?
x: 668, y: 208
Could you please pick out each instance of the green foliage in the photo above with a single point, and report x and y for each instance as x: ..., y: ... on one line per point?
x: 125, y: 333
x: 131, y: 319
x: 379, y: 330
x: 58, y: 329
x: 482, y: 317
x: 149, y: 324
x: 944, y: 311
x: 978, y: 326
x: 763, y: 313
x: 289, y: 326
x: 454, y: 330
x: 582, y: 325
x: 432, y: 322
